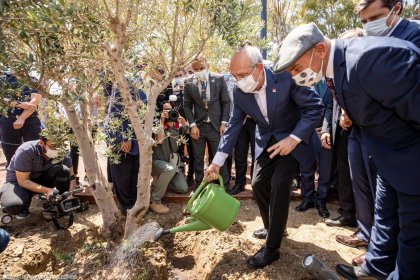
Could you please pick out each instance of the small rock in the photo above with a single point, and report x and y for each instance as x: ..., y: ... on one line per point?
x: 19, y: 250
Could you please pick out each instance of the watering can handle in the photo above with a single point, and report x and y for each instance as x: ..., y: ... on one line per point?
x: 200, y: 188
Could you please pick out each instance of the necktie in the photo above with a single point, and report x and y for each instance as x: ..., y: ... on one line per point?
x: 331, y: 87
x: 203, y: 90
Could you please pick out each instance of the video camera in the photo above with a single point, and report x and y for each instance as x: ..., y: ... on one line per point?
x: 61, y: 205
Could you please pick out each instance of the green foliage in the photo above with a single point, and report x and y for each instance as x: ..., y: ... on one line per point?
x: 333, y: 17
x: 61, y: 257
x: 410, y: 10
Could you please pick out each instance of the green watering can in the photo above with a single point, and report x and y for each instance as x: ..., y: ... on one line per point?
x: 210, y: 207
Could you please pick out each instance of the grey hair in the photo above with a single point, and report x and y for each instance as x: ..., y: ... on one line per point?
x: 253, y: 54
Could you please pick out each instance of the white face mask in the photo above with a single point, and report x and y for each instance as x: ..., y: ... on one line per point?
x: 202, y: 75
x: 248, y: 84
x: 308, y: 77
x: 378, y: 27
x: 51, y: 153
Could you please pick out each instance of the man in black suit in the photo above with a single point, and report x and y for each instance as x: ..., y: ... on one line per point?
x: 376, y: 81
x: 206, y: 106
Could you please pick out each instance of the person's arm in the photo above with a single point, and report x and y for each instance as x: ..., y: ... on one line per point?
x: 28, y: 109
x: 391, y: 77
x: 23, y: 179
x: 73, y: 182
x: 160, y: 136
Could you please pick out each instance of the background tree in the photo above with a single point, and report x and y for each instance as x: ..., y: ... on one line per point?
x: 333, y: 17
x: 66, y: 43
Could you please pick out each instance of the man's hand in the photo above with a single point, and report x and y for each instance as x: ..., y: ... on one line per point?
x: 164, y: 115
x: 212, y: 172
x: 283, y: 147
x: 18, y: 124
x: 326, y: 140
x: 125, y: 146
x: 222, y: 128
x: 49, y: 193
x: 345, y: 121
x: 195, y: 132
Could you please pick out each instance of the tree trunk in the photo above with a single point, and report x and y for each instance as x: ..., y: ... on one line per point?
x: 99, y: 186
x: 143, y: 133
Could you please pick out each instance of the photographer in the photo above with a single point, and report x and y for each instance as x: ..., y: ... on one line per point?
x: 165, y: 164
x: 33, y: 169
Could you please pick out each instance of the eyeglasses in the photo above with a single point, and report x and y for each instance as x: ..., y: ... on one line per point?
x: 201, y: 69
x: 241, y: 76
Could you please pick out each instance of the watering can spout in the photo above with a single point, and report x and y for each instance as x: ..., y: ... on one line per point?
x: 192, y: 226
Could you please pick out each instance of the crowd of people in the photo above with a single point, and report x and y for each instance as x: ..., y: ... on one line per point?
x: 343, y: 111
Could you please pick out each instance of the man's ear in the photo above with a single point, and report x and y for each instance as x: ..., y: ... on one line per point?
x: 260, y: 66
x: 398, y: 8
x: 321, y: 49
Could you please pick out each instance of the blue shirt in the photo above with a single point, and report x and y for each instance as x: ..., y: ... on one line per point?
x: 11, y: 89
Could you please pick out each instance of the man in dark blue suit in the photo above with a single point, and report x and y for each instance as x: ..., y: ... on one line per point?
x: 379, y: 18
x: 286, y: 117
x: 376, y: 81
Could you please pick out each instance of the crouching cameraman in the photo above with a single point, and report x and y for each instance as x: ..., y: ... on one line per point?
x: 166, y: 160
x: 33, y: 170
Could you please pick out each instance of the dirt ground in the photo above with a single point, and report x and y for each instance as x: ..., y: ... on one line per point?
x: 37, y: 249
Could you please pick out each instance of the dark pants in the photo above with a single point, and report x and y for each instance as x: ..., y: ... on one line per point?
x: 394, y: 247
x: 209, y: 135
x: 345, y: 190
x: 12, y: 138
x: 16, y: 199
x: 74, y: 155
x: 363, y: 176
x: 124, y: 178
x: 325, y: 168
x: 271, y: 185
x: 245, y: 140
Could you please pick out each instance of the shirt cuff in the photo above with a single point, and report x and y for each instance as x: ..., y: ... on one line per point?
x: 224, y: 122
x: 296, y: 138
x: 219, y: 158
x: 193, y: 124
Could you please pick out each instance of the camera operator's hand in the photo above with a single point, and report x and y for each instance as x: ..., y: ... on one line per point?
x: 49, y: 193
x: 195, y: 132
x: 212, y: 172
x: 164, y: 115
x: 182, y: 121
x: 125, y: 146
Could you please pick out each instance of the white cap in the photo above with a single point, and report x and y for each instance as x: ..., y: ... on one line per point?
x: 173, y: 98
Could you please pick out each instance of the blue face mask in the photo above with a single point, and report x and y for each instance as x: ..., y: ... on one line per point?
x: 378, y: 27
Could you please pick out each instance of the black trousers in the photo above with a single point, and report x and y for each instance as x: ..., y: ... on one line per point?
x: 12, y: 138
x: 271, y: 186
x: 16, y: 199
x: 345, y: 190
x: 124, y: 178
x: 212, y: 137
x: 246, y: 139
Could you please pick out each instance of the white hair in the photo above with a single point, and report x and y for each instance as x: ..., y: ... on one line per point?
x: 253, y: 54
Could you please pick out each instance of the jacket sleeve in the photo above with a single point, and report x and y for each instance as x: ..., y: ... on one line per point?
x: 188, y: 104
x: 229, y: 138
x: 393, y: 80
x: 224, y: 100
x: 311, y: 108
x: 326, y: 123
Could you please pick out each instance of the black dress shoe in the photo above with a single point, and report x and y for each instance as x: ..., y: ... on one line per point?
x: 322, y: 209
x: 351, y: 272
x: 236, y: 189
x: 260, y: 233
x: 190, y: 180
x: 340, y: 221
x: 305, y: 205
x: 263, y: 257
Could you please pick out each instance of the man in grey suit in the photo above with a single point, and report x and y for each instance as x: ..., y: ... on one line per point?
x: 206, y: 106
